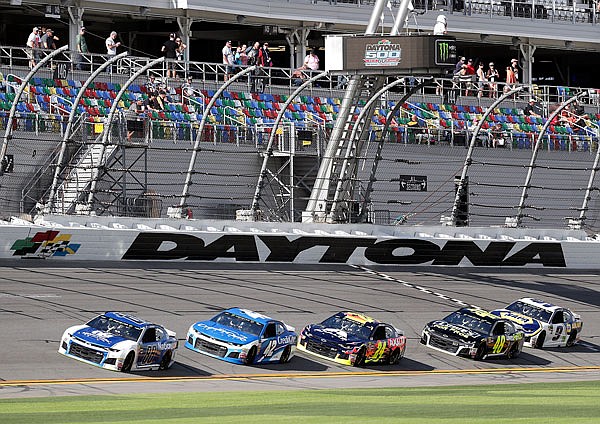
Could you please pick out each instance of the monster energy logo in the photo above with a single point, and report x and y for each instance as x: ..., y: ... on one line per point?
x: 445, y: 52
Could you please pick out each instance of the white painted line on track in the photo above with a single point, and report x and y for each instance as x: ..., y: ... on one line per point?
x: 416, y: 287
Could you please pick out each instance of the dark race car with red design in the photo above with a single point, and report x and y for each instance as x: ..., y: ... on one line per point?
x: 351, y: 338
x: 474, y: 333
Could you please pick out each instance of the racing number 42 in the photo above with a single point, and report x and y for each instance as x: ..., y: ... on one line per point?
x: 499, y: 345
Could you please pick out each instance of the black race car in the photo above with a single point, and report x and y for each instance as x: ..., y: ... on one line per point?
x: 474, y: 333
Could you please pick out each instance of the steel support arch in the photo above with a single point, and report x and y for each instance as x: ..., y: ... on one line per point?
x: 468, y: 158
x: 108, y: 125
x: 386, y: 127
x: 18, y: 93
x: 188, y: 177
x: 269, y: 149
x: 536, y: 148
x: 67, y: 135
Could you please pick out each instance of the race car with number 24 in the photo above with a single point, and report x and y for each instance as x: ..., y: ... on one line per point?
x: 474, y: 333
x: 242, y: 336
x: 544, y: 324
x: 351, y: 338
x: 120, y: 342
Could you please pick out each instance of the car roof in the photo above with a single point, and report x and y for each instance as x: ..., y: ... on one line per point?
x: 481, y: 313
x: 539, y: 303
x: 128, y: 319
x: 361, y: 318
x: 251, y: 315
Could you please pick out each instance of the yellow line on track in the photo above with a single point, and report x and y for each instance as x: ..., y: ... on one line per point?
x: 299, y: 375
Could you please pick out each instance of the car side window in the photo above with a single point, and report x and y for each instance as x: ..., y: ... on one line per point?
x: 510, y: 329
x: 160, y: 334
x: 498, y: 329
x: 149, y: 335
x: 269, y: 331
x: 280, y: 329
x: 568, y: 316
x: 558, y: 318
x: 389, y: 332
x: 379, y: 333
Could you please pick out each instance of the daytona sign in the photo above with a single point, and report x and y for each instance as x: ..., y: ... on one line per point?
x: 338, y: 250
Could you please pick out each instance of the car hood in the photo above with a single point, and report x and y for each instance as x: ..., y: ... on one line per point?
x: 332, y: 335
x: 98, y: 337
x: 224, y: 333
x: 453, y: 331
x: 531, y: 326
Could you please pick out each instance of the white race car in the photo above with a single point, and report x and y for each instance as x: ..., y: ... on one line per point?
x: 544, y: 324
x: 120, y: 342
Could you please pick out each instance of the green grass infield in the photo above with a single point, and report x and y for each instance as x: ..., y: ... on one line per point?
x: 576, y: 402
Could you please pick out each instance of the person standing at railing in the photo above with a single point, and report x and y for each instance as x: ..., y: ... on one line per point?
x: 33, y: 44
x: 169, y: 50
x: 228, y: 60
x: 514, y: 65
x: 48, y: 40
x: 481, y: 80
x: 511, y: 80
x: 82, y: 49
x: 492, y: 77
x: 111, y: 47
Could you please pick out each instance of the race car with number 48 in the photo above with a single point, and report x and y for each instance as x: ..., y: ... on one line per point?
x: 351, y: 338
x: 544, y: 324
x: 243, y: 337
x: 474, y: 333
x: 120, y: 342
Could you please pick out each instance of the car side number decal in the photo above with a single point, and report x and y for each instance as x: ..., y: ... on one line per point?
x: 270, y: 348
x: 148, y: 355
x: 499, y: 345
x: 377, y: 355
x: 558, y: 333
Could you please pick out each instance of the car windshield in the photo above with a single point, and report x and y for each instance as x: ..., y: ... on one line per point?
x: 237, y: 322
x: 115, y: 327
x: 471, y: 322
x: 351, y: 327
x: 530, y: 311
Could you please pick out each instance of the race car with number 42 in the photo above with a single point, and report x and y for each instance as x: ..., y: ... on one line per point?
x: 544, y: 324
x: 242, y: 336
x: 120, y: 342
x: 474, y: 333
x: 351, y: 338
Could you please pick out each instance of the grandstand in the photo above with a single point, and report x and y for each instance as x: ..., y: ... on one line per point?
x: 144, y: 178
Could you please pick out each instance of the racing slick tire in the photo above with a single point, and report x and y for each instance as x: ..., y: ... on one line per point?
x: 539, y: 343
x: 481, y: 351
x: 128, y: 362
x: 165, y: 364
x: 360, y: 357
x: 394, y: 357
x: 285, y: 356
x: 571, y: 339
x: 250, y: 356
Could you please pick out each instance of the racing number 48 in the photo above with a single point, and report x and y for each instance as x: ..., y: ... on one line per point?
x: 499, y: 345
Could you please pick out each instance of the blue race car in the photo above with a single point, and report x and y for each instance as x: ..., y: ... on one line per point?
x: 120, y: 342
x: 243, y: 337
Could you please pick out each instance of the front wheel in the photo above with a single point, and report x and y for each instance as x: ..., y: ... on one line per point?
x: 480, y: 352
x: 250, y: 356
x: 572, y: 338
x: 394, y: 357
x: 128, y: 362
x: 513, y: 352
x: 360, y: 357
x: 165, y: 364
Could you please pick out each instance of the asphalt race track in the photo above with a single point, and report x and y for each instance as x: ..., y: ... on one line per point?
x: 38, y: 301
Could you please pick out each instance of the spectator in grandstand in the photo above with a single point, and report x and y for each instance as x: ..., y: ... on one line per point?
x: 511, y: 81
x: 459, y: 65
x: 311, y: 61
x: 162, y: 100
x: 33, y: 43
x: 151, y: 84
x: 150, y: 102
x: 415, y: 130
x: 135, y: 125
x: 498, y: 136
x: 111, y: 44
x: 298, y: 76
x: 514, y: 66
x: 264, y: 56
x: 481, y: 80
x: 252, y: 53
x: 169, y: 51
x: 241, y: 58
x: 441, y: 25
x: 228, y: 59
x: 48, y: 40
x: 492, y: 77
x: 187, y: 90
x: 181, y: 46
x: 82, y: 48
x: 470, y: 67
x: 531, y: 109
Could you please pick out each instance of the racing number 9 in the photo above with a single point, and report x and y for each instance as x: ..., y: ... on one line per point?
x: 499, y: 345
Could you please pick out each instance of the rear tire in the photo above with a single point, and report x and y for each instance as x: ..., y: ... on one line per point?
x: 285, y: 356
x: 128, y: 362
x: 250, y: 356
x: 539, y: 343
